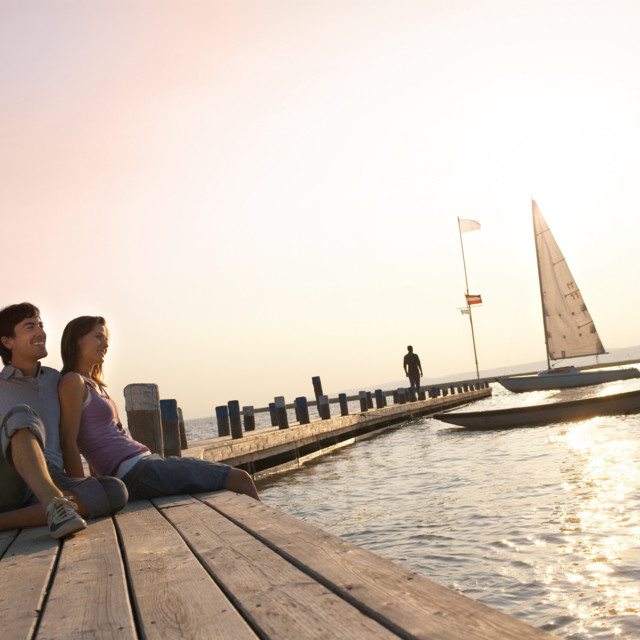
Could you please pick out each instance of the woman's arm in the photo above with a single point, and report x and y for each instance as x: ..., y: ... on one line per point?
x: 72, y: 392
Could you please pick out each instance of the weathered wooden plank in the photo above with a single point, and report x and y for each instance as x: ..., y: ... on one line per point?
x: 394, y: 595
x: 283, y: 602
x: 24, y: 574
x: 6, y: 538
x: 89, y: 596
x: 173, y: 594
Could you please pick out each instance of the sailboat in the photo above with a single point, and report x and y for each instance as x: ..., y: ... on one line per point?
x: 568, y: 328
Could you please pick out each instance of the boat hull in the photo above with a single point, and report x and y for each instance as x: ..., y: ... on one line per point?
x: 615, y: 404
x: 559, y: 380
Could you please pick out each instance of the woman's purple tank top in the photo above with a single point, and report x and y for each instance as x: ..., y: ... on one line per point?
x: 102, y: 440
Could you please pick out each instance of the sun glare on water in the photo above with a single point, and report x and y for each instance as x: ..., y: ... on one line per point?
x: 600, y: 475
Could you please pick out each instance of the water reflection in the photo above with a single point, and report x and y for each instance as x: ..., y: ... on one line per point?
x: 598, y: 526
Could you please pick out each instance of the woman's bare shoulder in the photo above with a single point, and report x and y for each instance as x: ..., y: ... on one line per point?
x: 71, y: 381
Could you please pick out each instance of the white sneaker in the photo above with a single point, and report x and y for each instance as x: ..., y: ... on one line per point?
x: 63, y: 518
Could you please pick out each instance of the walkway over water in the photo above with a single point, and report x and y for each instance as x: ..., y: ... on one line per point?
x: 224, y: 566
x: 270, y: 449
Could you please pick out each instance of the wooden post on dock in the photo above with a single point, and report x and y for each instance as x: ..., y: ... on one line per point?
x: 281, y: 412
x: 302, y: 410
x: 235, y: 422
x: 411, y: 391
x: 364, y: 405
x: 324, y: 411
x: 222, y: 415
x: 344, y: 405
x: 184, y: 443
x: 379, y: 399
x: 170, y: 427
x: 142, y: 404
x: 249, y: 418
x: 272, y: 414
x: 422, y: 394
x: 317, y: 387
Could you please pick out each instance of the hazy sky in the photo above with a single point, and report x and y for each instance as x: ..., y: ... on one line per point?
x: 255, y: 192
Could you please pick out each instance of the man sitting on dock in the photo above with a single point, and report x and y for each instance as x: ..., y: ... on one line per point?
x: 31, y: 469
x: 25, y: 479
x: 413, y: 368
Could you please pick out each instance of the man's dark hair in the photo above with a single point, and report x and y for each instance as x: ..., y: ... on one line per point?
x: 11, y: 316
x: 409, y: 348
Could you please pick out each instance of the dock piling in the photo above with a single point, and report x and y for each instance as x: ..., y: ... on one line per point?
x: 235, y: 421
x: 249, y: 418
x: 170, y: 427
x: 302, y: 410
x: 222, y: 415
x: 324, y: 411
x: 272, y: 414
x: 369, y: 400
x: 364, y: 404
x: 142, y: 404
x: 184, y: 443
x: 281, y: 412
x: 317, y: 387
x: 344, y: 405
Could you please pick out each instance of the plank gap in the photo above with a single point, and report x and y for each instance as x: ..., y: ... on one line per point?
x: 47, y: 591
x: 318, y: 577
x: 137, y: 621
x: 228, y: 594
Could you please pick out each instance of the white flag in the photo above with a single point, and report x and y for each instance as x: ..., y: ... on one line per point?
x: 468, y: 225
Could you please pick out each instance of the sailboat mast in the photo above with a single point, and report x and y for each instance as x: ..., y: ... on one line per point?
x: 466, y: 281
x: 544, y: 315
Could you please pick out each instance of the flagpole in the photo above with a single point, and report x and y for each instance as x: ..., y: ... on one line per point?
x: 466, y: 281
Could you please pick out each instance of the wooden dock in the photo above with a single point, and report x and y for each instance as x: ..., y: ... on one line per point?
x: 223, y: 566
x: 270, y: 450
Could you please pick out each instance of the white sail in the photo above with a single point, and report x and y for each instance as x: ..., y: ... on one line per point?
x: 569, y: 329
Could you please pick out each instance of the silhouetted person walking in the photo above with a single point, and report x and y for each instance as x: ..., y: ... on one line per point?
x: 413, y: 368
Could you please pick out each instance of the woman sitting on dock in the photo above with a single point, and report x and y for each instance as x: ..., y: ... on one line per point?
x: 89, y: 425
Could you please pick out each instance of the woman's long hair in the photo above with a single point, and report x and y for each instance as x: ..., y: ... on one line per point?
x: 70, y: 344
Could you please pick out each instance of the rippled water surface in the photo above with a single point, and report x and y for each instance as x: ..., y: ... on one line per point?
x: 542, y: 522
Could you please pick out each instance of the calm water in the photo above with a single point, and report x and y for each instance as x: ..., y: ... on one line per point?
x: 542, y: 523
